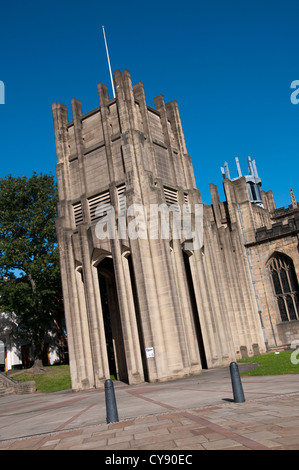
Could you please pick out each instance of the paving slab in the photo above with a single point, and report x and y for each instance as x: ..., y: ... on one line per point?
x: 194, y: 413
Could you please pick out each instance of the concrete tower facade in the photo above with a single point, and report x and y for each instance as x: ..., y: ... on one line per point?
x: 141, y: 305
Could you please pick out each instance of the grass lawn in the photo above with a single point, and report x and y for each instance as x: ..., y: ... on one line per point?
x: 54, y: 378
x: 57, y: 378
x: 273, y: 364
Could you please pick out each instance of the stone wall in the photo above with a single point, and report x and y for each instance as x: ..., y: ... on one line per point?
x: 9, y: 386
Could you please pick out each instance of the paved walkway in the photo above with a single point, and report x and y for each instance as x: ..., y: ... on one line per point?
x: 195, y: 413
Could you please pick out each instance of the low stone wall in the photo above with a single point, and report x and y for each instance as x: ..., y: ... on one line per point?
x: 9, y: 386
x: 288, y: 332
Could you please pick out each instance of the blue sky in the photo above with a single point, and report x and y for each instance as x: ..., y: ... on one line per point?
x: 228, y: 63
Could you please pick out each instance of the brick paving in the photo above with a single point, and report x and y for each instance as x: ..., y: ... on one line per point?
x: 160, y: 417
x: 266, y: 424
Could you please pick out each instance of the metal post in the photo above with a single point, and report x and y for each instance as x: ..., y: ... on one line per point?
x: 111, y: 407
x: 236, y: 383
x: 109, y: 65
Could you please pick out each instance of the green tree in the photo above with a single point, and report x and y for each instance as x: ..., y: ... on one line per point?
x: 29, y: 260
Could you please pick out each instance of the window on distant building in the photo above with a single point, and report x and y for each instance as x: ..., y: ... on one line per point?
x: 285, y: 286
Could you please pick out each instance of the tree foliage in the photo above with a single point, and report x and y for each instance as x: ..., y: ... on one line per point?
x: 29, y: 254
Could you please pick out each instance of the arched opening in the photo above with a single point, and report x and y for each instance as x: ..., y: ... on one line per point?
x: 285, y: 286
x: 112, y: 321
x: 196, y: 320
x: 138, y: 318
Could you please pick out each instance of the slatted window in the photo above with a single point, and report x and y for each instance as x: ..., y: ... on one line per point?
x: 78, y: 213
x: 99, y: 205
x: 186, y: 203
x: 121, y: 193
x: 171, y: 197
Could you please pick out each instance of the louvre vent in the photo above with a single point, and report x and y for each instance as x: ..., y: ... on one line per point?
x: 78, y: 213
x: 186, y: 203
x: 171, y: 197
x: 121, y: 193
x: 99, y: 205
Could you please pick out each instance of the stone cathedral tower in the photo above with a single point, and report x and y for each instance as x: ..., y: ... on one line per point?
x: 145, y: 307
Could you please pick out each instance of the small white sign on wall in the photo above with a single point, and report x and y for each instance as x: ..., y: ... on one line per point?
x: 149, y: 352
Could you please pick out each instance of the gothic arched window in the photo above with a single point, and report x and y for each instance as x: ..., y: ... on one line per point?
x: 285, y: 286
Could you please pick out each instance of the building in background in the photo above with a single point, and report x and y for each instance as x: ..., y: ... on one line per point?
x: 16, y: 351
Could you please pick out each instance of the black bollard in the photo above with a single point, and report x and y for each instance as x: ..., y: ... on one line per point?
x: 236, y: 383
x: 111, y: 408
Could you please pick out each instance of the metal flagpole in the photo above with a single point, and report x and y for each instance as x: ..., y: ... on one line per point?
x: 113, y: 91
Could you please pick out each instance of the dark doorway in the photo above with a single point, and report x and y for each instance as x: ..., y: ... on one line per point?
x: 197, y: 326
x: 138, y: 319
x: 112, y: 321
